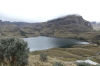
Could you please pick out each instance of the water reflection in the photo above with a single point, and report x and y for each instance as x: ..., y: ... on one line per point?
x: 41, y: 42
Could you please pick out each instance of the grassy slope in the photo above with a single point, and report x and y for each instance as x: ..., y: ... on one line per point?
x: 34, y: 61
x: 81, y: 52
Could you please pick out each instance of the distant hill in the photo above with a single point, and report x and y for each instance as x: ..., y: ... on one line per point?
x: 93, y: 23
x: 99, y: 23
x: 60, y: 27
x: 96, y: 26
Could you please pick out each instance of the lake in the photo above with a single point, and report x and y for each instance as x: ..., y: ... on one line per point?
x: 42, y: 42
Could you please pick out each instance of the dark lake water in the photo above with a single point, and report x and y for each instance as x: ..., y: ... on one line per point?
x: 42, y: 42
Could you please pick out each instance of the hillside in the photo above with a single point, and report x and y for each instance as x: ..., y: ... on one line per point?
x: 77, y: 52
x: 67, y: 26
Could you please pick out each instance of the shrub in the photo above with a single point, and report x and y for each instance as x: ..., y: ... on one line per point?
x: 83, y: 64
x: 14, y: 51
x: 82, y: 38
x: 97, y: 65
x: 57, y: 64
x: 43, y: 57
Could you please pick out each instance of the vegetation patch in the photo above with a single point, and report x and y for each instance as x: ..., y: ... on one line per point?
x: 77, y: 52
x: 57, y: 64
x: 83, y: 64
x: 43, y: 57
x: 13, y: 52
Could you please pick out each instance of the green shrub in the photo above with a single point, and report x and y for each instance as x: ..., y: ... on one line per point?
x: 43, y: 57
x: 83, y: 64
x: 14, y: 51
x: 57, y: 64
x: 97, y: 65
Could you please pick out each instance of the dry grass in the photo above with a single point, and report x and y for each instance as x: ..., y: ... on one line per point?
x: 79, y: 52
x: 34, y: 61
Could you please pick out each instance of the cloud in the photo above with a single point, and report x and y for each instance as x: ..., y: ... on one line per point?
x: 43, y: 10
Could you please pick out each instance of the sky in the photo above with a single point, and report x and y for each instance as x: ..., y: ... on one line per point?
x: 44, y: 10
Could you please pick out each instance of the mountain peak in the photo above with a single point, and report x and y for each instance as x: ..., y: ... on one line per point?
x: 72, y: 19
x: 68, y: 17
x: 74, y: 16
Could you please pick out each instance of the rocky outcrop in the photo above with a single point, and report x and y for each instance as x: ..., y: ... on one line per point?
x: 71, y: 19
x: 73, y: 23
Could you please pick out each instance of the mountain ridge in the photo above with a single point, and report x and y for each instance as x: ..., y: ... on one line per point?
x: 70, y: 24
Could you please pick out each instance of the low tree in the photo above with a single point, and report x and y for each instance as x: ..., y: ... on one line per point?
x: 14, y: 51
x: 43, y: 57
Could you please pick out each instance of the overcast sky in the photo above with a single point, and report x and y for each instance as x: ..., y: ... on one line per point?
x: 43, y: 10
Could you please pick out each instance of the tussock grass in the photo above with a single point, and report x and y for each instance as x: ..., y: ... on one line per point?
x: 78, y: 52
x: 34, y: 61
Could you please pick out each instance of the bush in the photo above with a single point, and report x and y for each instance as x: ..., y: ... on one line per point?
x: 97, y: 65
x: 82, y: 38
x: 57, y: 64
x: 14, y: 51
x: 43, y: 57
x: 83, y: 64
